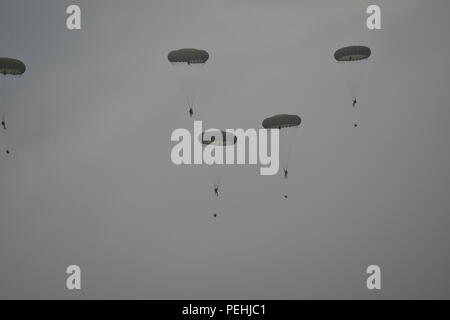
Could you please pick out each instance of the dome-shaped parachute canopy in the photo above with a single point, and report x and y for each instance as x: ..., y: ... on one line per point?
x: 352, y: 53
x: 282, y: 121
x: 9, y: 66
x: 189, y: 56
x: 211, y: 137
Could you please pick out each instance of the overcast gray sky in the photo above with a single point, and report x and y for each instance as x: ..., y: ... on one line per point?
x: 90, y: 181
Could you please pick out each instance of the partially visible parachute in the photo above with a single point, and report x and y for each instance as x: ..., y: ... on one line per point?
x: 188, y: 64
x: 9, y: 69
x: 287, y: 124
x: 218, y: 138
x: 353, y: 60
x: 9, y: 66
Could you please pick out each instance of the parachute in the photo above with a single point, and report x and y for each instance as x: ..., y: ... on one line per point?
x: 353, y: 60
x: 217, y: 139
x: 188, y: 64
x: 189, y: 56
x: 353, y: 53
x: 282, y: 121
x: 9, y: 69
x: 288, y: 126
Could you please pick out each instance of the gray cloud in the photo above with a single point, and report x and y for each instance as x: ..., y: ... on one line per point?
x: 90, y: 180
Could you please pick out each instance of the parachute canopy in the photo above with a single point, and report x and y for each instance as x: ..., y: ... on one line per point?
x: 352, y: 53
x: 189, y: 56
x: 213, y: 137
x: 282, y: 121
x: 9, y: 66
